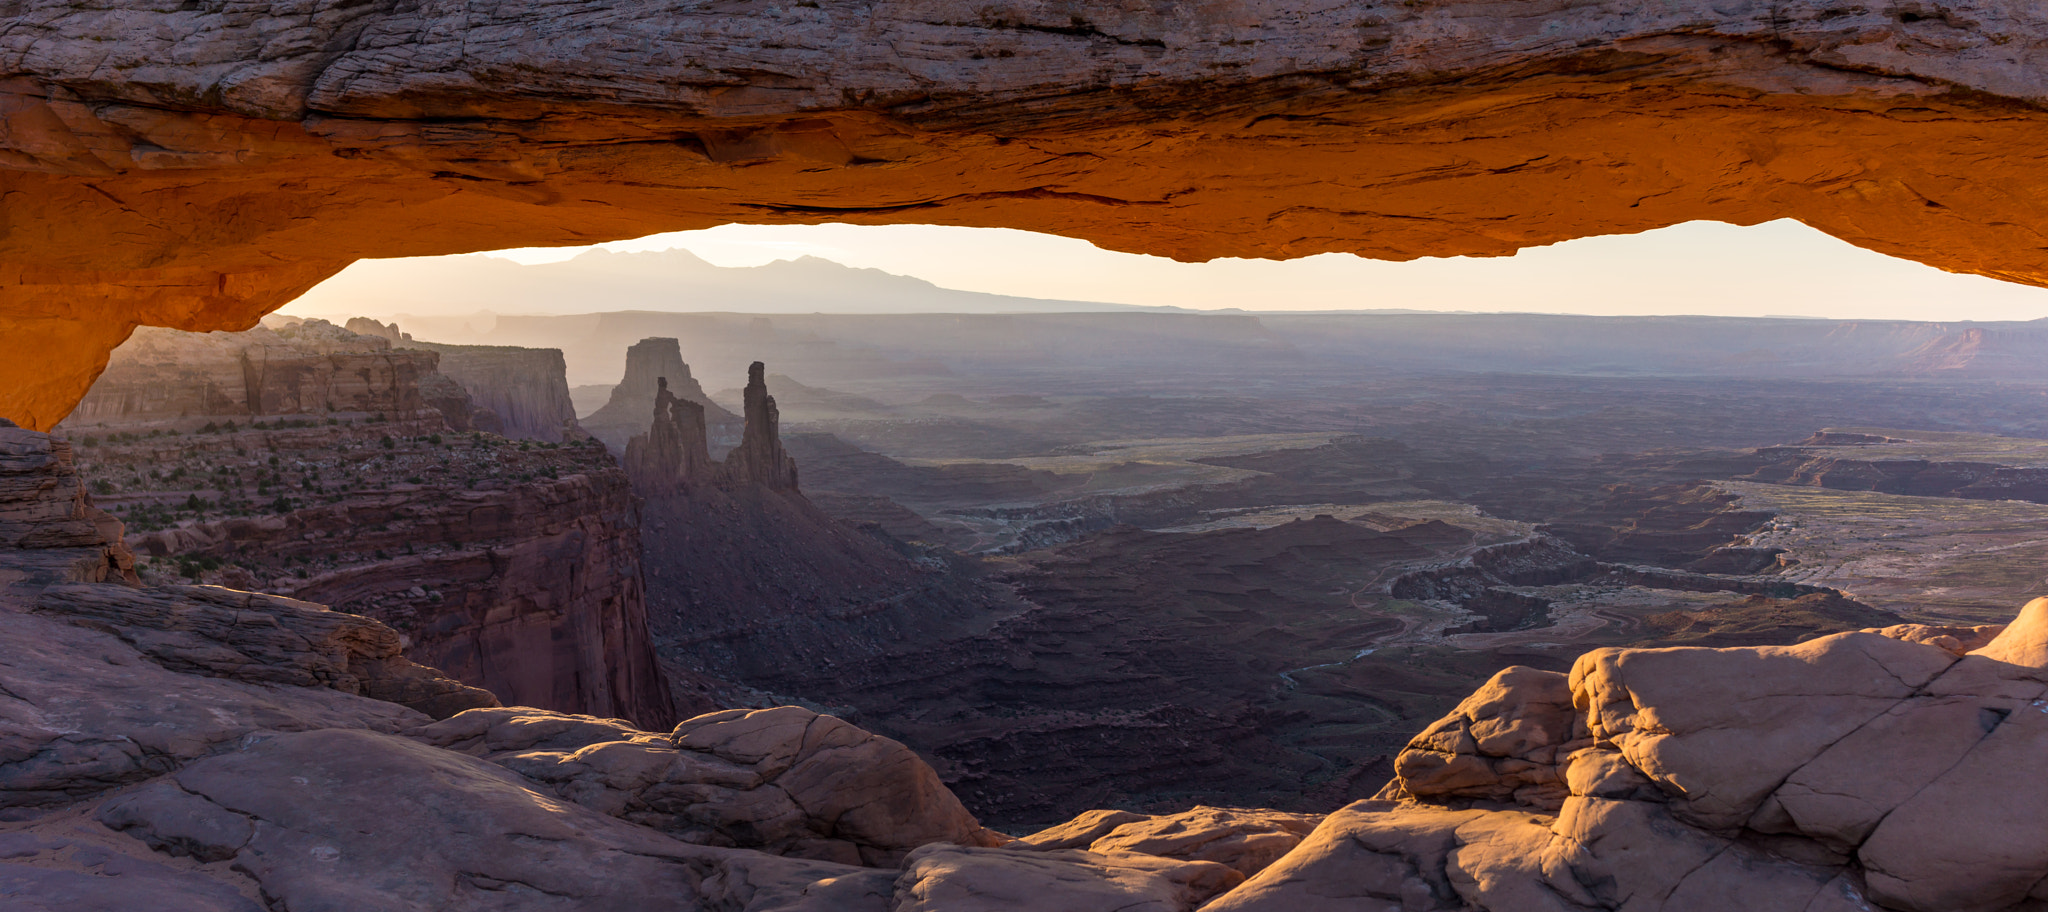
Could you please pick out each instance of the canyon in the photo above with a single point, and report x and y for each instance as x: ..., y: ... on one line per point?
x: 512, y: 564
x: 196, y: 748
x: 1107, y: 611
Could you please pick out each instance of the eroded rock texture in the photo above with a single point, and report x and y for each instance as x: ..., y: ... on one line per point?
x: 310, y: 368
x: 525, y: 580
x: 262, y: 639
x: 50, y: 532
x: 195, y: 748
x: 194, y: 166
x: 1862, y: 770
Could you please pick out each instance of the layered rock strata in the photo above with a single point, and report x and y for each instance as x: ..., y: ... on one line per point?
x: 514, y: 566
x: 183, y: 167
x: 50, y: 532
x: 530, y: 588
x: 311, y: 368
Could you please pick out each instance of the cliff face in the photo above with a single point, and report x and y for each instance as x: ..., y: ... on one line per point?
x: 525, y: 389
x: 524, y: 584
x: 533, y: 592
x: 648, y: 363
x: 514, y: 565
x: 50, y: 532
x: 312, y: 368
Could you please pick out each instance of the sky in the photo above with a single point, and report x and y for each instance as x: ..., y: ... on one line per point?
x: 1777, y: 269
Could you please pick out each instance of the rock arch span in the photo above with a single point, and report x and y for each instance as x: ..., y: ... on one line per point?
x: 196, y: 165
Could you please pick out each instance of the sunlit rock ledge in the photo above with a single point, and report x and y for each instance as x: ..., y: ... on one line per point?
x: 198, y: 165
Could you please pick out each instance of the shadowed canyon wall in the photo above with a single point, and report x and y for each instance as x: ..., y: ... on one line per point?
x: 191, y: 166
x: 512, y: 565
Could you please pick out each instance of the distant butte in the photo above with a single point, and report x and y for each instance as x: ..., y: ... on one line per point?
x: 185, y: 166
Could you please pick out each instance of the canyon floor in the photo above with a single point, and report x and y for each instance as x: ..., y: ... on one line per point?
x: 1251, y: 590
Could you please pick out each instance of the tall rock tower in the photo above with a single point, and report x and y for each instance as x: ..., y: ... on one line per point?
x: 760, y: 459
x: 673, y: 454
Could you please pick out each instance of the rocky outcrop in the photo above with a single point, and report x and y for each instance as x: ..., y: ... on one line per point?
x: 948, y: 878
x: 513, y: 566
x: 653, y: 365
x: 50, y: 532
x: 672, y: 456
x: 1245, y: 841
x: 184, y: 168
x: 262, y: 639
x: 533, y: 591
x: 525, y: 390
x: 1851, y: 771
x: 378, y: 821
x: 389, y: 332
x: 759, y: 460
x: 784, y: 780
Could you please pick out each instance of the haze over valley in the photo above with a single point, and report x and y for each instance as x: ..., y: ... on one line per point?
x: 1111, y: 557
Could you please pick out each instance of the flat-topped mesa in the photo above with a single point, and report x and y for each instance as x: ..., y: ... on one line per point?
x: 760, y: 459
x: 525, y: 391
x: 311, y: 367
x: 649, y: 362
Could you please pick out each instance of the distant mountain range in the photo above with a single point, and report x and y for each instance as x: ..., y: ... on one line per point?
x: 674, y: 281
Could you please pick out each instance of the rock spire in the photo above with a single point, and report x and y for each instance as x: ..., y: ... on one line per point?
x: 760, y: 458
x: 674, y: 453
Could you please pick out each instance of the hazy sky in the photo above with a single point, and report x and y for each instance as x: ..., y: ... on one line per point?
x: 1781, y: 268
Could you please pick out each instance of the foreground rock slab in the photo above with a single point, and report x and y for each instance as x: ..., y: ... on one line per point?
x: 403, y: 826
x: 784, y: 780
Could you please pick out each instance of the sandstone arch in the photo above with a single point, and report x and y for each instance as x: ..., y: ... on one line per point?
x: 198, y: 164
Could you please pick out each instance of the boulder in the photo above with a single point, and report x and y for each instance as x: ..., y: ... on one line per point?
x: 2024, y: 641
x: 1721, y: 728
x: 783, y: 780
x: 1501, y: 744
x: 1371, y: 856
